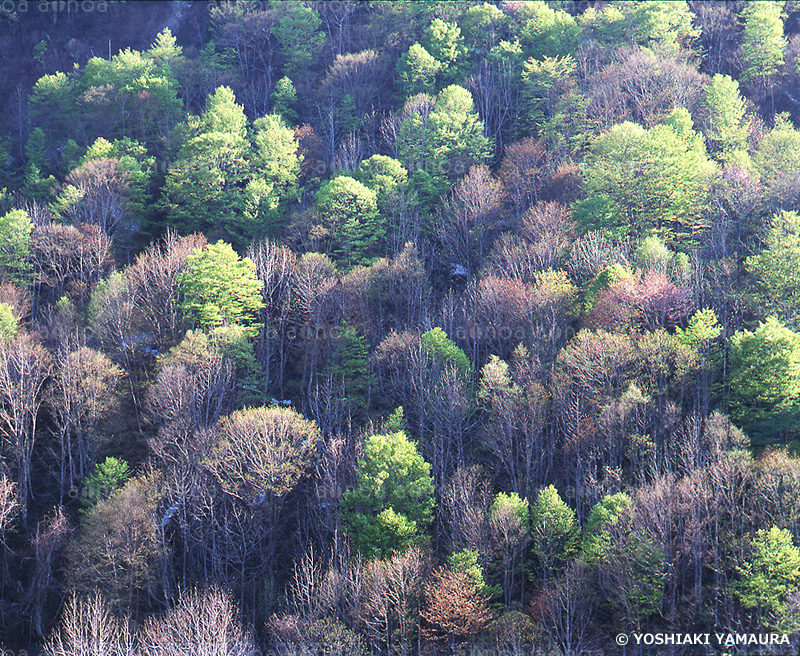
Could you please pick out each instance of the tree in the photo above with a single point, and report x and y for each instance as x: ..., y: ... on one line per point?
x: 418, y: 69
x: 554, y: 533
x: 202, y: 623
x: 776, y: 162
x: 263, y: 452
x: 770, y: 576
x: 15, y: 246
x: 25, y: 366
x: 85, y: 395
x: 445, y: 44
x: 108, y: 477
x: 283, y: 100
x: 392, y: 505
x: 219, y: 288
x: 763, y: 43
x: 655, y: 177
x: 204, y: 187
x: 777, y: 267
x: 596, y: 537
x: 118, y: 549
x: 509, y: 525
x: 351, y: 226
x: 454, y: 610
x: 667, y: 24
x: 276, y: 165
x: 546, y: 32
x: 765, y: 381
x: 297, y: 34
x: 727, y: 129
x: 89, y: 627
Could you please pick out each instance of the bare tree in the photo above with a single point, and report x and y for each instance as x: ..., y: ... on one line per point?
x: 48, y: 545
x: 24, y: 369
x: 201, y: 624
x: 85, y: 392
x: 89, y: 628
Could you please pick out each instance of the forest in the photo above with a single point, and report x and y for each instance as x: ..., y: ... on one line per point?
x: 399, y: 328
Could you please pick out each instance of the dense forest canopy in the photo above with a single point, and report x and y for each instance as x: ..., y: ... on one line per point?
x: 407, y: 328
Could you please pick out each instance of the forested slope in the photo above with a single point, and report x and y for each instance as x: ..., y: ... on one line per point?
x: 396, y: 328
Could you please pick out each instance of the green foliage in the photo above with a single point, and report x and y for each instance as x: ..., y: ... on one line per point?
x: 512, y: 504
x: 276, y: 166
x: 219, y: 288
x: 777, y: 161
x: 108, y: 477
x: 283, y: 100
x: 466, y: 561
x: 725, y: 105
x: 350, y: 219
x: 596, y: 538
x: 601, y: 214
x: 547, y: 32
x: 703, y: 328
x: 382, y: 174
x: 349, y: 363
x: 443, y: 143
x: 439, y: 346
x: 392, y: 504
x: 777, y: 267
x: 769, y: 577
x: 765, y: 381
x: 396, y: 421
x: 482, y: 26
x: 297, y: 34
x: 602, y: 281
x: 763, y: 43
x: 445, y: 44
x: 417, y: 70
x: 667, y: 23
x: 555, y: 532
x: 15, y: 246
x: 204, y: 188
x: 656, y: 177
x: 9, y: 325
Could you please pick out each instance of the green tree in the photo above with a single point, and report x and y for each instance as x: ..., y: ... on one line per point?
x: 108, y: 477
x: 392, y: 504
x: 276, y: 168
x: 777, y: 267
x: 15, y: 246
x: 438, y: 145
x: 769, y: 577
x: 662, y: 22
x: 763, y: 43
x: 546, y: 32
x: 765, y: 381
x: 351, y: 225
x: 445, y: 44
x: 283, y: 100
x: 9, y: 324
x: 777, y: 161
x: 204, y: 189
x: 297, y: 34
x: 218, y: 287
x: 596, y: 536
x: 440, y: 347
x: 727, y: 130
x: 655, y: 177
x: 555, y: 533
x: 509, y: 526
x: 417, y: 70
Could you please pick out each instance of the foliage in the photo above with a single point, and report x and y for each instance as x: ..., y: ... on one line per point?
x: 765, y: 380
x: 219, y: 288
x: 393, y: 502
